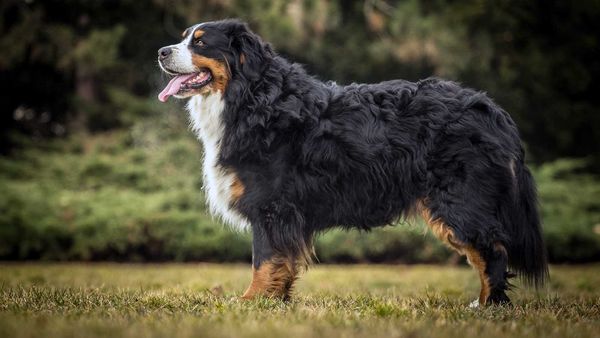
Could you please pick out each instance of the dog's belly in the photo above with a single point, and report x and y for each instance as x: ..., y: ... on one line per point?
x: 205, y: 113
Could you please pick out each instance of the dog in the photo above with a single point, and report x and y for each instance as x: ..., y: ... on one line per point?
x: 289, y: 156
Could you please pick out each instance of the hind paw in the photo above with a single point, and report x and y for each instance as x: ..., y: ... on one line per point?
x: 474, y: 304
x: 499, y: 298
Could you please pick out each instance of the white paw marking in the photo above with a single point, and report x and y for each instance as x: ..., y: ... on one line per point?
x: 474, y: 304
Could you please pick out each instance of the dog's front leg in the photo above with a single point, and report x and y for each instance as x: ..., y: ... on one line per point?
x: 273, y: 273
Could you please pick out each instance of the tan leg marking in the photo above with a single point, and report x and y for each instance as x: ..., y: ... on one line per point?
x: 445, y: 233
x: 274, y: 279
x: 439, y: 228
x: 476, y: 261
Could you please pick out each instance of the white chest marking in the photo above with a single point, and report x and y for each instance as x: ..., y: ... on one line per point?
x: 205, y: 114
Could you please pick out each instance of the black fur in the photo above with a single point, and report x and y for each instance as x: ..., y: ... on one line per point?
x: 315, y: 155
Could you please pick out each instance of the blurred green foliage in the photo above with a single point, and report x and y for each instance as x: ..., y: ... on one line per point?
x: 92, y: 167
x: 135, y: 195
x: 570, y: 205
x: 126, y: 195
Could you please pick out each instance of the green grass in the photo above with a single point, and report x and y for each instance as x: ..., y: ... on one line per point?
x: 99, y: 300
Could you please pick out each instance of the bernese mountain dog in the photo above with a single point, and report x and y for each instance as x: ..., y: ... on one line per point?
x: 289, y: 156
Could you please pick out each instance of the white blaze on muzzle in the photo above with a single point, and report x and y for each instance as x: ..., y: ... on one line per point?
x: 179, y: 62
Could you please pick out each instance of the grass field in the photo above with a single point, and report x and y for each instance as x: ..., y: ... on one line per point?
x: 100, y: 300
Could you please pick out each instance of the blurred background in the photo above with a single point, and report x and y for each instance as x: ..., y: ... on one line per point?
x: 93, y: 167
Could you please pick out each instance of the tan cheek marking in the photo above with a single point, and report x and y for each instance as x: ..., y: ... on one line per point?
x: 217, y: 68
x: 242, y: 58
x: 445, y: 233
x: 237, y: 189
x: 198, y: 33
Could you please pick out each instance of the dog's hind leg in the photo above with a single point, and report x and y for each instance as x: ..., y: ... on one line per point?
x: 489, y: 262
x: 497, y: 274
x: 491, y: 266
x: 273, y: 273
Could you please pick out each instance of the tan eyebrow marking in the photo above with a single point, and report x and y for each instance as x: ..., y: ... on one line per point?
x: 198, y: 33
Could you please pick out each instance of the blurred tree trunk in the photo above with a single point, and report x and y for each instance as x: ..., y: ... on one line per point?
x: 85, y: 91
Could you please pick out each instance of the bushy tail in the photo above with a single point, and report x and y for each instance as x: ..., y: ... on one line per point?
x: 526, y: 251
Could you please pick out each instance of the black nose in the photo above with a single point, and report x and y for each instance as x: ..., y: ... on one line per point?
x: 164, y: 52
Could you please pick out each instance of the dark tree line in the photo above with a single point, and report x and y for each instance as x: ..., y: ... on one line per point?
x: 89, y: 65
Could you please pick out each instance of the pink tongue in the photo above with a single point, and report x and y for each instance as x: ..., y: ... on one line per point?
x: 173, y: 87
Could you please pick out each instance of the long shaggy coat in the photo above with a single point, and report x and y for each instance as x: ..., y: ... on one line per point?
x: 306, y: 156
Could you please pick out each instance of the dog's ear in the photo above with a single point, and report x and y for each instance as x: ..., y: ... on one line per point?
x: 251, y: 53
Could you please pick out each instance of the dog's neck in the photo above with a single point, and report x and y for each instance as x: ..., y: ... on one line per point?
x: 205, y: 116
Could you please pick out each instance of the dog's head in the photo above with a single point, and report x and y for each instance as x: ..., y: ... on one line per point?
x: 209, y: 56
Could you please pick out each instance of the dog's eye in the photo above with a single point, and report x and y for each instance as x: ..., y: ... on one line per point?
x: 199, y: 42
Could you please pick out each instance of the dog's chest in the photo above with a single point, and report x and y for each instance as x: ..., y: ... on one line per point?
x: 205, y: 113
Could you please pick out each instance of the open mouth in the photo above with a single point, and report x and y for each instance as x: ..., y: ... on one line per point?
x: 185, y: 82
